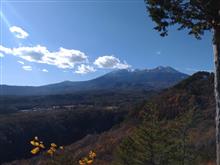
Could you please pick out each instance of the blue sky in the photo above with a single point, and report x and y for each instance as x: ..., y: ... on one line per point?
x: 46, y: 42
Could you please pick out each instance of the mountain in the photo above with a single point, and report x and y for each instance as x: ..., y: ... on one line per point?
x: 148, y: 79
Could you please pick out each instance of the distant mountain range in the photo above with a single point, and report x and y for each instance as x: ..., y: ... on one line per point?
x: 147, y: 79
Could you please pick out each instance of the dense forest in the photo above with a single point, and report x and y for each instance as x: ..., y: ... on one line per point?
x: 63, y: 119
x: 175, y: 126
x: 61, y: 127
x: 120, y: 98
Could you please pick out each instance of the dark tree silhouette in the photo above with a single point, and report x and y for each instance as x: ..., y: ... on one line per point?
x: 196, y: 16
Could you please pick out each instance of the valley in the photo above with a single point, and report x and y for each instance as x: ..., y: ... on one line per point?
x: 194, y: 93
x: 66, y: 118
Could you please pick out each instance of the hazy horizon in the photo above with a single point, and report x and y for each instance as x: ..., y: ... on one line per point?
x: 90, y: 78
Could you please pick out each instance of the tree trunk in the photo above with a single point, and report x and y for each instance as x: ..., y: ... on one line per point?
x: 216, y: 49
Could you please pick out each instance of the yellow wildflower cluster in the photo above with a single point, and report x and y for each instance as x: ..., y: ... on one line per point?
x: 37, y: 144
x: 53, y: 148
x: 88, y: 160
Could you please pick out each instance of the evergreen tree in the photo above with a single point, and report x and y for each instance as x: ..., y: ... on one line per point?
x: 157, y: 142
x: 187, y: 152
x: 196, y: 16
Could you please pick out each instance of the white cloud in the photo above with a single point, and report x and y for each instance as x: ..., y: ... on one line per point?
x: 1, y: 55
x: 4, y: 49
x: 110, y: 62
x: 27, y: 68
x: 63, y: 58
x: 18, y: 32
x: 45, y: 70
x: 21, y: 62
x: 83, y: 69
x: 158, y: 52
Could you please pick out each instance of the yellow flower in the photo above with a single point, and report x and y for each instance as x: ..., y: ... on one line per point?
x: 53, y: 145
x: 42, y: 146
x: 85, y: 159
x: 89, y: 161
x: 35, y: 150
x: 53, y: 149
x: 82, y: 162
x: 92, y: 154
x: 36, y: 144
x: 32, y: 142
x: 50, y: 152
x: 61, y: 147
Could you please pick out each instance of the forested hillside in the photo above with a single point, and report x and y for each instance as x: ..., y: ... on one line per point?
x: 189, y: 104
x: 62, y: 127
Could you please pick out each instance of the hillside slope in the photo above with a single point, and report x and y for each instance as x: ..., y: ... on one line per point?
x: 196, y: 93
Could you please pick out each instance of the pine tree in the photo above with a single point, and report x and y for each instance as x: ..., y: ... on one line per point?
x: 187, y: 152
x: 158, y: 142
x: 196, y: 16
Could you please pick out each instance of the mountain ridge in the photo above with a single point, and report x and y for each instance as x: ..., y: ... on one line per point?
x: 150, y: 79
